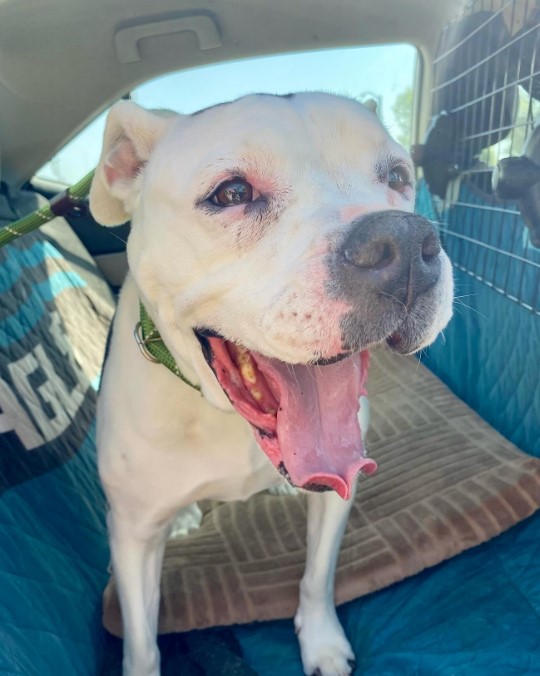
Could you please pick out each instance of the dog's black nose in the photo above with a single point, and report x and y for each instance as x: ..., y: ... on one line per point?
x: 393, y: 253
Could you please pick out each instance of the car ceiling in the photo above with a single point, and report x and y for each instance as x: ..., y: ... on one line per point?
x: 64, y: 61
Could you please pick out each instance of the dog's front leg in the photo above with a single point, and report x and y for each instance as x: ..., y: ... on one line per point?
x: 137, y: 553
x: 324, y: 647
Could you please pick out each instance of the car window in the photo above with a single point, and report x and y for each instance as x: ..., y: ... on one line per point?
x: 383, y: 72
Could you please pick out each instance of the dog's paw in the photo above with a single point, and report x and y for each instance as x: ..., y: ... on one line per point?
x: 142, y: 662
x: 323, y: 645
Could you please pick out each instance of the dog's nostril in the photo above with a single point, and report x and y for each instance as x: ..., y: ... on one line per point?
x: 387, y: 255
x: 373, y: 255
x: 431, y: 247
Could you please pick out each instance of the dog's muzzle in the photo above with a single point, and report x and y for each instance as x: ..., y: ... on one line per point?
x: 392, y: 253
x: 388, y: 269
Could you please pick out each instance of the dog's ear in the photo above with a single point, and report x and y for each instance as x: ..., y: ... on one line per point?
x: 131, y: 134
x: 372, y: 104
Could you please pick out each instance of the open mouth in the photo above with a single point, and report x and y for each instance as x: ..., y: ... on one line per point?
x: 304, y: 417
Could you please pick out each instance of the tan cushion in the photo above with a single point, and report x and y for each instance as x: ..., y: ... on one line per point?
x: 446, y: 482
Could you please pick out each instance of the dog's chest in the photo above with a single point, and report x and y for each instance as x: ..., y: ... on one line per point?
x: 194, y: 452
x: 224, y: 459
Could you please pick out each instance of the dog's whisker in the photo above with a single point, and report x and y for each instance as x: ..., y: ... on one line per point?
x: 458, y: 310
x: 419, y: 359
x: 467, y: 307
x: 427, y: 215
x: 467, y: 295
x: 120, y: 239
x: 389, y: 295
x: 442, y: 335
x: 292, y: 372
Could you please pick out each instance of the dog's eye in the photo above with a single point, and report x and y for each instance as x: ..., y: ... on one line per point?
x: 399, y: 179
x: 233, y: 192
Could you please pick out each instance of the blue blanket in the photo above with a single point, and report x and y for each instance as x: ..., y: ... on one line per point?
x: 53, y: 547
x: 475, y: 615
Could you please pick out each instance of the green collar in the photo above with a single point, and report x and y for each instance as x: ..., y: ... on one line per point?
x: 153, y: 348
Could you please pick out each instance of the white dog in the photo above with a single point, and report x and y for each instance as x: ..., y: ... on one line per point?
x: 272, y: 243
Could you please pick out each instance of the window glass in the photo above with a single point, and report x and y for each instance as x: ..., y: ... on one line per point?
x: 77, y: 157
x: 385, y: 73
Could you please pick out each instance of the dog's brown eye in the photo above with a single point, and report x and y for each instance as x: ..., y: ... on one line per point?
x: 398, y: 179
x: 233, y: 192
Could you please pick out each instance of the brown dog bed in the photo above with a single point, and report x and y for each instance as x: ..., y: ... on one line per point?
x: 446, y: 482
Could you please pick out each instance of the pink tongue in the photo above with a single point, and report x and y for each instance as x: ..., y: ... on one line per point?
x: 317, y: 421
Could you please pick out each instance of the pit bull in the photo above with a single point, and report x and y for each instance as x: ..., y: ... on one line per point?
x: 273, y: 243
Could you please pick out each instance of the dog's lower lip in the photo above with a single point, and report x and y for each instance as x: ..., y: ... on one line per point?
x: 208, y: 333
x: 394, y: 339
x: 398, y: 343
x: 332, y: 360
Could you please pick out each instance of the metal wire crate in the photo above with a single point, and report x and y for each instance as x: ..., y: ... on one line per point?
x: 487, y: 74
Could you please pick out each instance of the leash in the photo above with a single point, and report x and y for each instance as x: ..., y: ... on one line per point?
x: 60, y: 205
x: 146, y: 334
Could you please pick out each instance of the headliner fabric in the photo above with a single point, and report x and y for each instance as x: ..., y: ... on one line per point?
x: 446, y: 482
x: 54, y: 317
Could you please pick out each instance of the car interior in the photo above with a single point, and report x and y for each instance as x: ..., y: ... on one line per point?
x: 439, y: 570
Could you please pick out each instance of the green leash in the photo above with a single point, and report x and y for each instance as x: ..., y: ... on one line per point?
x: 60, y: 205
x: 146, y: 334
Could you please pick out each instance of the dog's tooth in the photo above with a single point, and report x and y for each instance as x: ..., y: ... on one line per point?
x: 242, y: 355
x: 248, y: 372
x: 254, y: 381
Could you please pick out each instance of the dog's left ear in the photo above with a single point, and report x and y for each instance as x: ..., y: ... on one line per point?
x: 131, y: 134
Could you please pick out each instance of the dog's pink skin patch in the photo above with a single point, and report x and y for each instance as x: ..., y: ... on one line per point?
x: 307, y: 319
x: 315, y: 435
x: 247, y: 230
x: 122, y: 163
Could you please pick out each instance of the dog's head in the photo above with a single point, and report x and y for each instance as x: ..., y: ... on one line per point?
x: 280, y: 231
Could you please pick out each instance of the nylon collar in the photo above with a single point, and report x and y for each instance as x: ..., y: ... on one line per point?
x: 153, y: 348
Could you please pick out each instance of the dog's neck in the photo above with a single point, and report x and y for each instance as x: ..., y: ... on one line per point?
x: 153, y: 347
